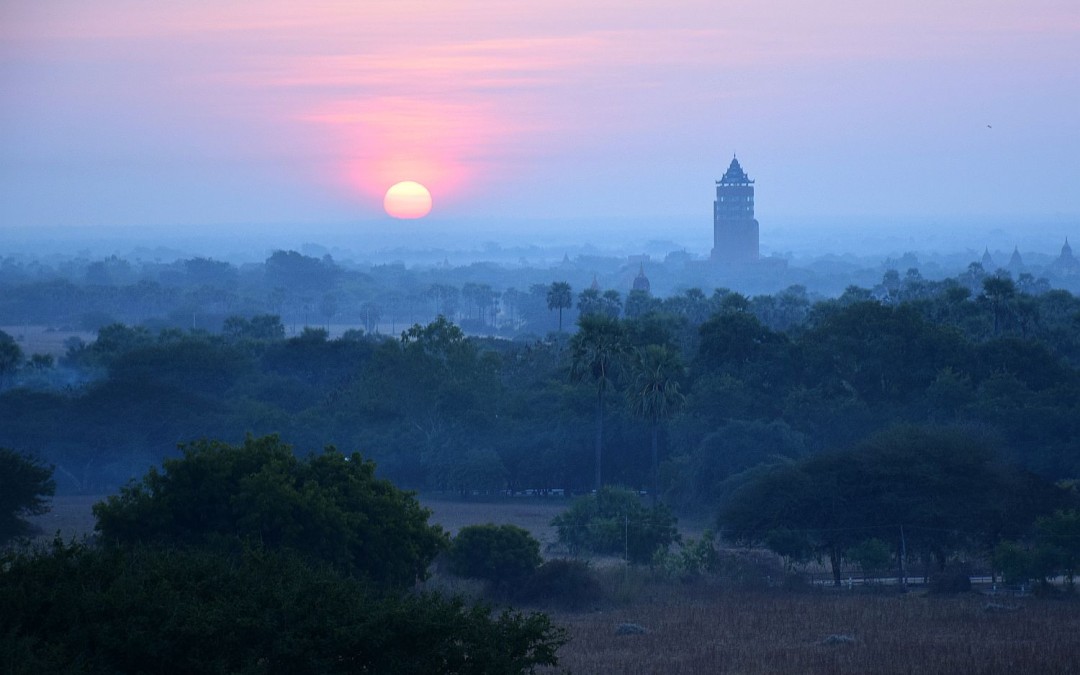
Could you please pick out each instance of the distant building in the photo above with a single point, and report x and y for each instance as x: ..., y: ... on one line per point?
x: 735, y: 231
x: 1066, y: 264
x: 1016, y: 263
x: 641, y: 282
x: 987, y: 261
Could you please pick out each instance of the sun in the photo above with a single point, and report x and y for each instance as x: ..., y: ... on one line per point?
x: 407, y: 199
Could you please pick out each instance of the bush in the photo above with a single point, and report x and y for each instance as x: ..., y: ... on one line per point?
x: 952, y: 580
x: 501, y: 554
x: 567, y: 584
x: 24, y: 485
x: 615, y: 522
x: 871, y: 555
x: 328, y: 507
x: 154, y: 609
x: 693, y: 559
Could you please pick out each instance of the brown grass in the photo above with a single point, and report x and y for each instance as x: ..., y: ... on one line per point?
x: 713, y: 628
x: 704, y: 629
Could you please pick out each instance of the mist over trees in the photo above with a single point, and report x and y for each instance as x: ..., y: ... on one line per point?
x: 716, y: 383
x: 694, y: 398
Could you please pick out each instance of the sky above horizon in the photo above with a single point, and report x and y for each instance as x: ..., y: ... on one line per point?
x: 204, y: 114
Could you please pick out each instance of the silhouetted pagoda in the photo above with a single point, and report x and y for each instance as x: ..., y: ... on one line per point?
x: 1066, y: 264
x: 735, y: 231
x: 1016, y: 263
x: 641, y: 282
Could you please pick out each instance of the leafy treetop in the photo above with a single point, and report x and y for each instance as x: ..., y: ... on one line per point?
x: 329, y: 507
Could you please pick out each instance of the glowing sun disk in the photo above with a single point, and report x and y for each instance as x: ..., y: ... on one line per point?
x: 407, y: 199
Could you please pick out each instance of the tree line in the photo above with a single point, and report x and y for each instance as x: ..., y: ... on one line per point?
x: 674, y: 401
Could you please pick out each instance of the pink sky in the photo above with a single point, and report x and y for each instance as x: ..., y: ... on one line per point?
x: 127, y: 112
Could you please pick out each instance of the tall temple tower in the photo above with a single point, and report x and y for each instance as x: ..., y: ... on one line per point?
x: 735, y: 231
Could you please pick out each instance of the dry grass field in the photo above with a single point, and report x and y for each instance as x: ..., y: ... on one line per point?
x: 712, y: 628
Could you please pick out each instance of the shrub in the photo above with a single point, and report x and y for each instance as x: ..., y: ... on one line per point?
x: 693, y: 559
x: 329, y: 507
x: 567, y: 584
x: 614, y: 521
x: 501, y: 554
x: 871, y: 555
x: 24, y: 485
x: 956, y: 579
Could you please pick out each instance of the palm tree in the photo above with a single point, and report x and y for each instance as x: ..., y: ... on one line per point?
x: 558, y: 297
x: 654, y: 395
x: 596, y: 353
x: 998, y: 290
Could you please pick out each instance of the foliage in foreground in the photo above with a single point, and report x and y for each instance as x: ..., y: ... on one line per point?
x: 24, y: 485
x: 615, y: 522
x: 329, y: 507
x: 181, y: 610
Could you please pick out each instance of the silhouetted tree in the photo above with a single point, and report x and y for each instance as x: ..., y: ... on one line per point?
x: 654, y: 393
x: 25, y: 485
x: 596, y: 353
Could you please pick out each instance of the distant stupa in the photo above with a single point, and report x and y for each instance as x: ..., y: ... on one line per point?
x: 1016, y: 263
x: 735, y: 231
x: 641, y: 282
x: 1066, y: 264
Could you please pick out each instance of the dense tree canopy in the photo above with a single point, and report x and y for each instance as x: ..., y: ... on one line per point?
x: 933, y: 491
x: 766, y: 378
x: 329, y: 507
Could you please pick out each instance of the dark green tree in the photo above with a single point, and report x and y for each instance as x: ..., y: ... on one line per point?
x: 11, y: 355
x: 654, y: 394
x: 501, y: 554
x: 559, y: 297
x: 328, y: 506
x: 615, y: 521
x: 998, y: 291
x: 933, y: 491
x: 1059, y: 535
x: 597, y: 351
x: 156, y: 609
x: 25, y: 486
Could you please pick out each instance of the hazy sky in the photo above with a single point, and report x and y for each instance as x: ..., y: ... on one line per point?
x: 208, y: 112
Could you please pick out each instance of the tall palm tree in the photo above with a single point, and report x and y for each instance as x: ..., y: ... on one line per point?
x: 999, y: 291
x: 559, y: 297
x: 654, y: 394
x: 596, y: 353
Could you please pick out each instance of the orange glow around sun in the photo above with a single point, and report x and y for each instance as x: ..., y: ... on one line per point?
x: 407, y: 200
x: 432, y: 144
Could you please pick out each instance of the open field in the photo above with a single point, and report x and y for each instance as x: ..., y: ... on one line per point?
x: 710, y: 630
x: 44, y: 339
x: 707, y: 627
